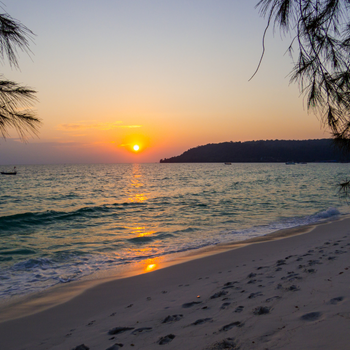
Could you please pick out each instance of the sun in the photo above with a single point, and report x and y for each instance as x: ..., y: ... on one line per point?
x: 136, y: 148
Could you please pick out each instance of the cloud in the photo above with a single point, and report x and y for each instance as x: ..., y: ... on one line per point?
x: 84, y: 125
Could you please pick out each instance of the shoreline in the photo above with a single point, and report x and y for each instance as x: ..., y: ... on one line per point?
x: 282, y: 293
x: 27, y: 305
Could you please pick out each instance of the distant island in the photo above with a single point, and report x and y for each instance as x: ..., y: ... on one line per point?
x: 271, y: 151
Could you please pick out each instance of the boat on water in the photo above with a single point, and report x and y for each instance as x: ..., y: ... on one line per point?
x: 228, y: 163
x: 14, y: 172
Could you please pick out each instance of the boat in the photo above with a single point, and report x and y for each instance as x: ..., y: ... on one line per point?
x: 14, y: 172
x: 228, y: 163
x: 290, y: 163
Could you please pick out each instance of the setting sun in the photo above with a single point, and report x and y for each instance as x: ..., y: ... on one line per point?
x: 136, y: 148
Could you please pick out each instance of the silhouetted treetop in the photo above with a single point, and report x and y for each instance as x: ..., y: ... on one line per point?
x: 321, y: 37
x: 15, y: 99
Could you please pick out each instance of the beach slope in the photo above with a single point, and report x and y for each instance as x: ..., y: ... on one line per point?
x: 291, y: 293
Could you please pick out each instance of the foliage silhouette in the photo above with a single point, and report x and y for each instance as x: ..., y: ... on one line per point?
x: 321, y: 36
x: 270, y: 151
x: 15, y: 99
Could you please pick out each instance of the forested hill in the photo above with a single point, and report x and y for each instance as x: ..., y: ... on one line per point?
x: 262, y: 151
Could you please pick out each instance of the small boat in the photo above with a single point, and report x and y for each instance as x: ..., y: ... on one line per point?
x: 290, y: 163
x: 228, y: 163
x: 14, y: 172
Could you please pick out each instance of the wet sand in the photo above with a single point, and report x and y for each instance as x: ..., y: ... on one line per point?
x: 290, y: 293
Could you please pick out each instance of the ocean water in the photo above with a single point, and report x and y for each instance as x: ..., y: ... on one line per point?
x: 60, y: 223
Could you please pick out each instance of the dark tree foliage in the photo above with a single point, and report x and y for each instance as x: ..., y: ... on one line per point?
x: 15, y: 99
x: 321, y: 36
x: 270, y: 151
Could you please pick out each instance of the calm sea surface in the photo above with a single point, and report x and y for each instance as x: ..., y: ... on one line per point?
x: 60, y: 223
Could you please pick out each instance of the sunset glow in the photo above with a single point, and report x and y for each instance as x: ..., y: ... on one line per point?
x: 154, y: 101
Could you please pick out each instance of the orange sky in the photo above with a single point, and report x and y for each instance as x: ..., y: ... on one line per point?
x: 162, y: 74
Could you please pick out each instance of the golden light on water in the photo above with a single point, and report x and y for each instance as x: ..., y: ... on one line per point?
x: 151, y: 264
x: 150, y: 267
x: 134, y: 190
x: 139, y: 231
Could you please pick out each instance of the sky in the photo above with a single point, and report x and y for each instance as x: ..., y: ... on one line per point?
x: 167, y: 75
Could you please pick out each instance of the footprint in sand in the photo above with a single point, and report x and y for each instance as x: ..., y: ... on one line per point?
x: 340, y: 252
x: 310, y: 270
x: 166, y: 339
x: 254, y: 295
x: 312, y: 316
x: 231, y: 325
x: 172, y: 318
x: 81, y: 347
x: 218, y: 294
x: 224, y: 306
x: 336, y: 300
x: 314, y: 262
x: 272, y: 298
x: 229, y: 285
x: 251, y: 275
x: 116, y: 346
x: 201, y: 321
x: 187, y: 305
x: 261, y: 310
x: 281, y: 262
x: 239, y: 309
x: 252, y: 281
x: 291, y: 277
x: 293, y: 288
x: 227, y: 343
x: 118, y: 330
x: 141, y: 330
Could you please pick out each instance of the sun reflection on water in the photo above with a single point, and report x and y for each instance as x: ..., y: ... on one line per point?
x: 150, y: 267
x: 140, y: 231
x: 135, y: 195
x: 152, y: 264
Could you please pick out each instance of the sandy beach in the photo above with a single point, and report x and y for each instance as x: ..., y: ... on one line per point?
x: 290, y: 293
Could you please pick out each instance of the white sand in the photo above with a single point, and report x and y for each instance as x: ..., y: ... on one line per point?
x: 292, y: 293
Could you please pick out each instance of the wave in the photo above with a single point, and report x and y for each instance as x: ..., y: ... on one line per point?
x: 18, y: 252
x: 35, y: 274
x: 327, y: 214
x: 28, y: 219
x: 148, y: 239
x: 260, y: 230
x: 140, y: 240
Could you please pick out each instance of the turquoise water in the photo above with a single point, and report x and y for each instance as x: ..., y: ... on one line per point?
x: 59, y: 223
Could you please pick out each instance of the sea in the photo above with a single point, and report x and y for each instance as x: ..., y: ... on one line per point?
x: 65, y: 223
